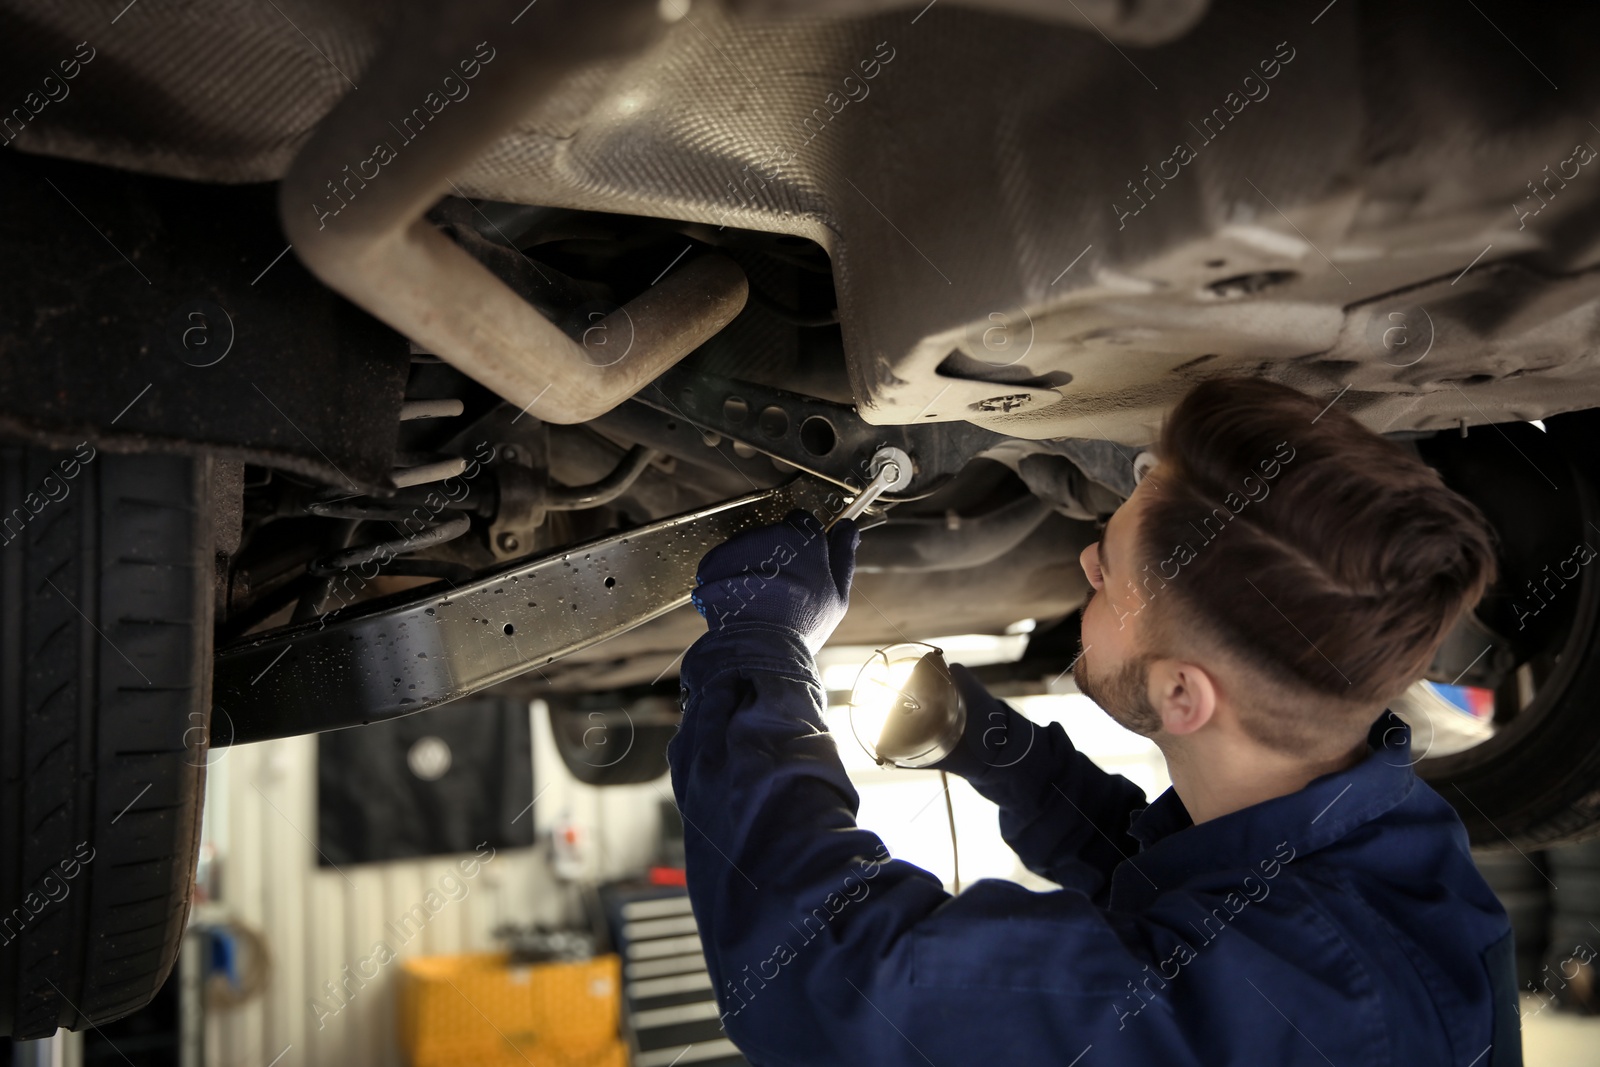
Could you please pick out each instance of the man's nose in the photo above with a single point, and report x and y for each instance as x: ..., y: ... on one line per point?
x: 1089, y: 560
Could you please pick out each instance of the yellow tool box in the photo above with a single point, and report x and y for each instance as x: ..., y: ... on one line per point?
x: 481, y: 1010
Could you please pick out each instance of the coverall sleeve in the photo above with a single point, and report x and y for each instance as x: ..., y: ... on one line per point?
x: 1063, y: 816
x: 821, y: 948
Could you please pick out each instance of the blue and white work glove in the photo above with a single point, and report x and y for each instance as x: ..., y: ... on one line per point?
x: 792, y: 574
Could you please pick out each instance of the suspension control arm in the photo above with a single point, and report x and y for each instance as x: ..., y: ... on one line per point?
x: 387, y: 659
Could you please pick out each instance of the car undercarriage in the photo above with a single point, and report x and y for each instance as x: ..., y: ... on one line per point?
x: 476, y: 328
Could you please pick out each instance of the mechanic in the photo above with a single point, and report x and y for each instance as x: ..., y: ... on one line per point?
x: 1299, y: 896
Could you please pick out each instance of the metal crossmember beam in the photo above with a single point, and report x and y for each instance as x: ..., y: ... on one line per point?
x: 382, y: 660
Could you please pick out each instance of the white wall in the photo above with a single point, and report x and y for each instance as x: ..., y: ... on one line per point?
x: 261, y: 817
x: 907, y: 810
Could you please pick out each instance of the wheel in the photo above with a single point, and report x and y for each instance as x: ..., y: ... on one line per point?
x: 607, y: 741
x: 1535, y: 636
x: 105, y: 668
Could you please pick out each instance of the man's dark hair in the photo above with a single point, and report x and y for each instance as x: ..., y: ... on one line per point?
x: 1324, y: 559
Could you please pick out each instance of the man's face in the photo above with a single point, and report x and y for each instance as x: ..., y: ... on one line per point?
x: 1112, y: 670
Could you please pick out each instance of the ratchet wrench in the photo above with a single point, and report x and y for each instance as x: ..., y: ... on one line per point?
x: 891, y: 470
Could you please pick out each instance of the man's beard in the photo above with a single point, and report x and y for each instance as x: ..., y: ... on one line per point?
x: 1124, y: 696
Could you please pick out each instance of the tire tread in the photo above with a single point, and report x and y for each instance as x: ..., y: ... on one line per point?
x: 102, y: 610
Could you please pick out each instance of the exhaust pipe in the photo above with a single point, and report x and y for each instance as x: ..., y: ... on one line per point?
x: 436, y: 100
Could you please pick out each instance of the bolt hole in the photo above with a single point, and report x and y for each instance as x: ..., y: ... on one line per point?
x: 508, y: 629
x: 611, y: 583
x: 672, y: 424
x: 735, y: 409
x: 774, y: 421
x: 817, y: 436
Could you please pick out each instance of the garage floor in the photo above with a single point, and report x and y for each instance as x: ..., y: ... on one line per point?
x: 1556, y: 1039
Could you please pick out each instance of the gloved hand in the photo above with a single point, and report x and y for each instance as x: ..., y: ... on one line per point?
x: 996, y: 737
x: 792, y: 574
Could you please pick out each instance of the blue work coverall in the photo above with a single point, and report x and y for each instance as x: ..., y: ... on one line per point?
x: 1343, y: 924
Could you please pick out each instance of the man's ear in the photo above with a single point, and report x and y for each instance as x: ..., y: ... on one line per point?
x: 1183, y: 693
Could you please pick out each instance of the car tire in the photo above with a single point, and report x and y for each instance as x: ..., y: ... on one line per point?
x: 1536, y: 783
x: 106, y: 582
x: 613, y: 742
